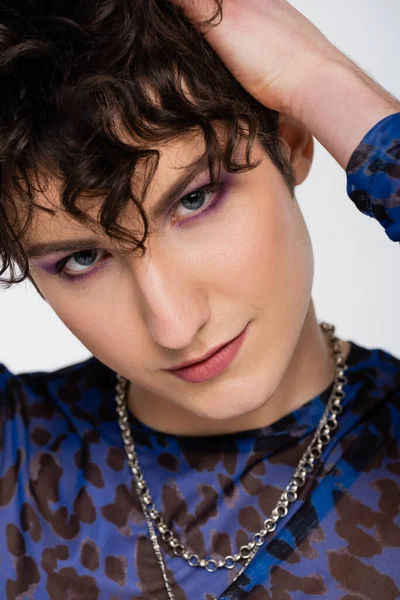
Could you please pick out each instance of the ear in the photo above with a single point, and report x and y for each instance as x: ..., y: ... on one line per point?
x: 299, y: 146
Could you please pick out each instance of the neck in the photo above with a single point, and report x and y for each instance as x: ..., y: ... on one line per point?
x: 310, y: 371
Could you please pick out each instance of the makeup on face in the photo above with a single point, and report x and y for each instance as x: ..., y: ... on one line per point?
x: 56, y: 264
x: 213, y: 365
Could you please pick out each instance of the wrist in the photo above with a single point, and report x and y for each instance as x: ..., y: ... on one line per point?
x: 339, y: 103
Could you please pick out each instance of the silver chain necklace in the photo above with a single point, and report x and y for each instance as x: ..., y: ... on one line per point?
x: 153, y: 517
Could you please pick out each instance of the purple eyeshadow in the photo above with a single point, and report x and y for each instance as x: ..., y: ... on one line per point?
x: 225, y: 182
x: 50, y: 266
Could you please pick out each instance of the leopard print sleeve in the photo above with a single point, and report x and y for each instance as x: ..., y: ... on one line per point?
x: 373, y: 175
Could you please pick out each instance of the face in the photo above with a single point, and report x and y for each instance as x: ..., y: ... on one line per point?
x: 222, y: 263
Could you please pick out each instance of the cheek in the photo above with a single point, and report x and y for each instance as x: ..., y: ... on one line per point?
x: 264, y: 250
x: 91, y: 315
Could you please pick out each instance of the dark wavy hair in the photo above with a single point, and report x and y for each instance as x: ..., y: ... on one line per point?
x: 70, y: 70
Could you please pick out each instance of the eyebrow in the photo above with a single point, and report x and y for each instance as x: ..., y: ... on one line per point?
x: 178, y: 187
x: 74, y: 245
x: 40, y: 249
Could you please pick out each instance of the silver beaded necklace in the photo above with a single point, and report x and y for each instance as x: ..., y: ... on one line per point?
x: 247, y: 552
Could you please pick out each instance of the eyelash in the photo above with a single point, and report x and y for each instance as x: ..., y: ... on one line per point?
x: 59, y: 268
x: 217, y: 188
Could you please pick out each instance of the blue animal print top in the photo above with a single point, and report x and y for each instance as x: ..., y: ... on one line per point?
x: 71, y: 526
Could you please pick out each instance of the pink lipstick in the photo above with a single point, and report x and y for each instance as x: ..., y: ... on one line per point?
x: 211, y: 366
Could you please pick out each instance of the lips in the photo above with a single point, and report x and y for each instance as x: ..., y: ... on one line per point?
x: 212, y: 364
x: 189, y: 363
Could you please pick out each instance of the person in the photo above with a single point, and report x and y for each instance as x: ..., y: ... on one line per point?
x: 220, y: 443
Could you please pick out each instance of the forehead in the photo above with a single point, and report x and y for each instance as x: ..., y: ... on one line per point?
x: 181, y: 162
x: 52, y: 221
x: 182, y: 155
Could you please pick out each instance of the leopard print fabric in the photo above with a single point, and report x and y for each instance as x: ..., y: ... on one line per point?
x: 373, y: 175
x: 71, y: 525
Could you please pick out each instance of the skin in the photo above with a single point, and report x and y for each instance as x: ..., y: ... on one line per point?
x: 199, y: 284
x: 287, y: 64
x: 250, y: 261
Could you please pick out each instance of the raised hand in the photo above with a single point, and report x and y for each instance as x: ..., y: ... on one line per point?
x: 287, y: 64
x: 268, y: 45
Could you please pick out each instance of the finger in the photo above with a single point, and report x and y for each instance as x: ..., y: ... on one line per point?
x: 198, y: 11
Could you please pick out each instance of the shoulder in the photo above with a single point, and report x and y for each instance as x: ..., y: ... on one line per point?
x: 377, y: 370
x: 34, y: 405
x: 88, y: 375
x: 374, y: 378
x: 371, y: 416
x: 377, y: 359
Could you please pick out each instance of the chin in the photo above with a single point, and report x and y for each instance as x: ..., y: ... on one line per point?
x: 239, y: 401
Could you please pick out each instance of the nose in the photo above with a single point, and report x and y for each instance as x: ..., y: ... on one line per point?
x: 174, y: 305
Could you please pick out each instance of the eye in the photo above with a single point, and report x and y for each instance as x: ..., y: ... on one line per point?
x: 80, y: 262
x: 198, y: 201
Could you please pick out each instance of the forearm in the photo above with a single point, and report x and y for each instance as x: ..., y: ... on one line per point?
x: 339, y: 104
